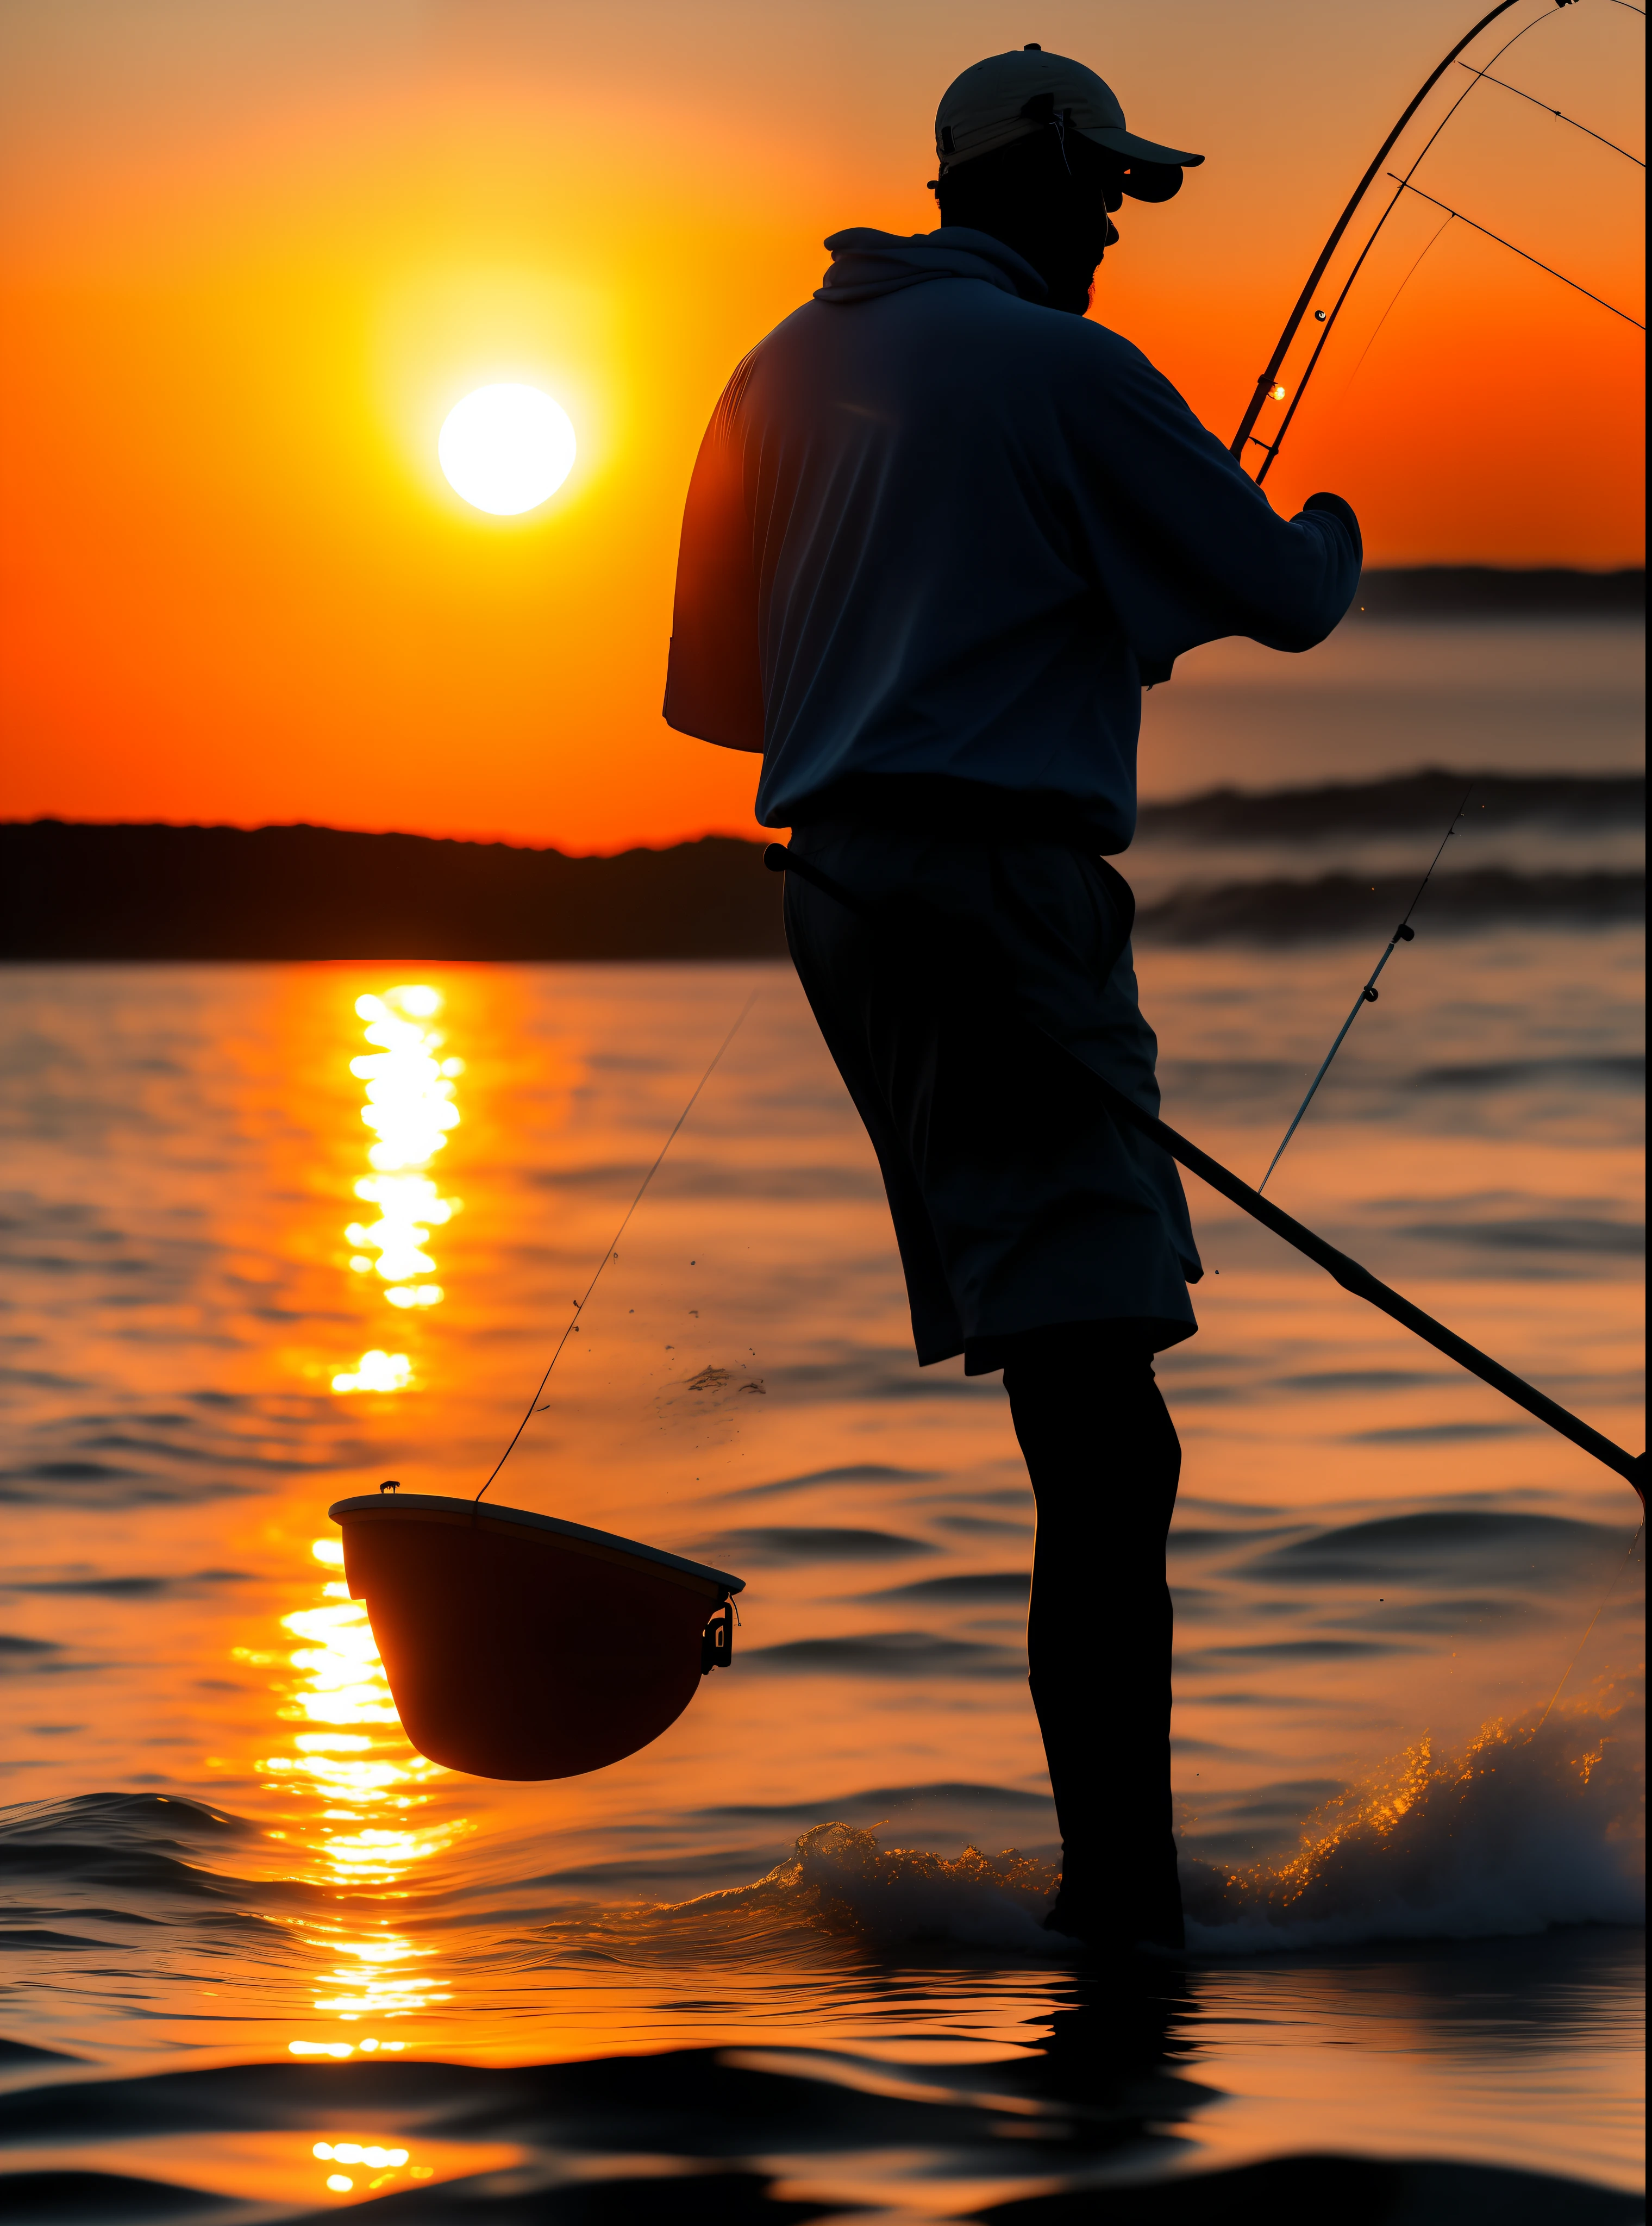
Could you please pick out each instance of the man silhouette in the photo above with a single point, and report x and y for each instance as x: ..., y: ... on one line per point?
x: 941, y: 531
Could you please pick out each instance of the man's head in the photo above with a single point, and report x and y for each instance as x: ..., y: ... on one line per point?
x: 1033, y: 150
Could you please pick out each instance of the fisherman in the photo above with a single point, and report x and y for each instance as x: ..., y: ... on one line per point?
x: 941, y: 531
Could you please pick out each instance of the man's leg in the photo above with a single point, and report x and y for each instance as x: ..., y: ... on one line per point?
x: 1105, y: 1460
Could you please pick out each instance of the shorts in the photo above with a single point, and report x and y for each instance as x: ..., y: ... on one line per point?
x: 968, y: 991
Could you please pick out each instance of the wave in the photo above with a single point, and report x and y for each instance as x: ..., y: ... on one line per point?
x: 1447, y: 1547
x: 1412, y: 802
x: 1604, y: 1069
x: 1570, y: 1232
x: 1261, y: 1082
x: 1531, y: 1826
x: 886, y: 1654
x: 842, y: 1880
x: 772, y: 1545
x: 144, y: 1859
x: 1281, y: 910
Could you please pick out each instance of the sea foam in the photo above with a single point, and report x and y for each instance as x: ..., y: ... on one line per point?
x: 1533, y: 1824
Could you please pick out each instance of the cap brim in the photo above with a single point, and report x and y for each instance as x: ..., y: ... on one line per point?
x: 1142, y: 150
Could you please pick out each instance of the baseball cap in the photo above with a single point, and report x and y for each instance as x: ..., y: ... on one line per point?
x: 1008, y: 97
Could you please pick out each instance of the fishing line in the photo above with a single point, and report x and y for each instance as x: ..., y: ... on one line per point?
x: 1245, y: 438
x: 1398, y: 290
x: 1404, y: 934
x: 1327, y: 319
x: 1546, y: 17
x: 610, y: 1253
x: 1555, y: 113
x: 1407, y: 187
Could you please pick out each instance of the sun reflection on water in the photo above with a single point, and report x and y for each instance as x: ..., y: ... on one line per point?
x: 410, y: 1110
x: 357, y: 1790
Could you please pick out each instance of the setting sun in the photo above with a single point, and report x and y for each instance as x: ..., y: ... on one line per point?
x: 507, y: 448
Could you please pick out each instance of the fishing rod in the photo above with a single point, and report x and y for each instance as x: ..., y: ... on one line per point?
x: 1364, y: 1285
x: 609, y: 1252
x: 780, y: 859
x: 1404, y: 934
x: 1327, y: 319
x: 1266, y: 385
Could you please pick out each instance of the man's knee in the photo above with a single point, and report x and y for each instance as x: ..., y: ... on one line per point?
x: 1091, y: 1422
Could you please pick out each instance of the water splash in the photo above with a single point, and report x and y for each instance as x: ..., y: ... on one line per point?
x: 1530, y: 1825
x: 843, y: 1882
x: 849, y: 1883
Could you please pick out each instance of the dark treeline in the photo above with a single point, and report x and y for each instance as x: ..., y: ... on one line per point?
x: 76, y: 891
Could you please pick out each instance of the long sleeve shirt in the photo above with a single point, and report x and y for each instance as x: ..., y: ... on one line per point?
x: 937, y: 529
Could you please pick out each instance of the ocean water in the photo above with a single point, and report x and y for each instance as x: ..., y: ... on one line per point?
x: 1385, y: 697
x: 261, y: 1960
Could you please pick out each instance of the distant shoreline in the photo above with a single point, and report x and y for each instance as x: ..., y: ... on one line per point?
x: 1455, y: 592
x: 93, y: 893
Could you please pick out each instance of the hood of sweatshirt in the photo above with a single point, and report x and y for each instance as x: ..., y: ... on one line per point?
x: 867, y: 263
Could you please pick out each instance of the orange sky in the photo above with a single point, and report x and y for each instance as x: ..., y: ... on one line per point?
x: 251, y: 256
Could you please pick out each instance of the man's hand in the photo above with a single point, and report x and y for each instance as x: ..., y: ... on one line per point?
x: 1345, y: 511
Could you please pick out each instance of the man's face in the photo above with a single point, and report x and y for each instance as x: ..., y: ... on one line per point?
x: 1080, y: 229
x: 1099, y: 193
x: 1050, y: 197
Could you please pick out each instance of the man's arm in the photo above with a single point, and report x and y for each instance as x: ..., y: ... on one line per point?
x: 714, y: 683
x: 1189, y: 548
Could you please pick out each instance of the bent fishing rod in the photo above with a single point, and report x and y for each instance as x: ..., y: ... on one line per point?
x: 1267, y: 384
x: 1354, y: 1278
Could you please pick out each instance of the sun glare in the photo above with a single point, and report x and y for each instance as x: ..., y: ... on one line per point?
x: 507, y: 448
x: 409, y: 1108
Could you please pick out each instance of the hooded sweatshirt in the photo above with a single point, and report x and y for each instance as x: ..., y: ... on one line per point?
x: 939, y: 532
